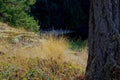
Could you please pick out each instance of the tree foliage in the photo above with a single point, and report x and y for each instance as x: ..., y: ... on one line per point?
x: 16, y: 12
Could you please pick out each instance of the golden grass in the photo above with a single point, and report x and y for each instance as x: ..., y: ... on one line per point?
x: 25, y: 55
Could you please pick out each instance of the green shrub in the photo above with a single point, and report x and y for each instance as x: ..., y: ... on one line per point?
x: 16, y: 13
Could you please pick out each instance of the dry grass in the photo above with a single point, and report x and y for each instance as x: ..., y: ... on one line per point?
x: 27, y: 56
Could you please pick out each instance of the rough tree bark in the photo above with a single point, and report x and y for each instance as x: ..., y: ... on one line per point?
x: 104, y: 41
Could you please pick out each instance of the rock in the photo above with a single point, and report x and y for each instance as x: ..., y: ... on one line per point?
x: 15, y: 40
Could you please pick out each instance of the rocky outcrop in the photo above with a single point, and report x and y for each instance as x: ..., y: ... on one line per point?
x: 14, y: 36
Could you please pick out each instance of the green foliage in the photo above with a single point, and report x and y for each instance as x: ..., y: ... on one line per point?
x: 7, y: 72
x: 78, y: 45
x: 16, y: 13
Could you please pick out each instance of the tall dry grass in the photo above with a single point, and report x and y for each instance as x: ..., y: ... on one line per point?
x: 27, y: 56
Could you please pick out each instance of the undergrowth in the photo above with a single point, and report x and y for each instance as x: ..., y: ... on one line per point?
x: 38, y: 69
x: 27, y: 56
x: 78, y: 44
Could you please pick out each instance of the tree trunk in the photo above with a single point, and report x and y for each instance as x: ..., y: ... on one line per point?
x: 104, y: 41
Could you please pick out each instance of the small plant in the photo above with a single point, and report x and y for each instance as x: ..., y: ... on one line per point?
x: 32, y: 74
x: 78, y: 45
x: 7, y: 72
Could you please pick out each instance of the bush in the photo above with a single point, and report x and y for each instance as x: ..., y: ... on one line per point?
x: 17, y: 13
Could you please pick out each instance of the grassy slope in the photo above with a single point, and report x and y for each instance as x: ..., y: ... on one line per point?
x: 25, y: 55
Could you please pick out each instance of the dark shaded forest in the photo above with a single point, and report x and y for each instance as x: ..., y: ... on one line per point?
x: 66, y: 14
